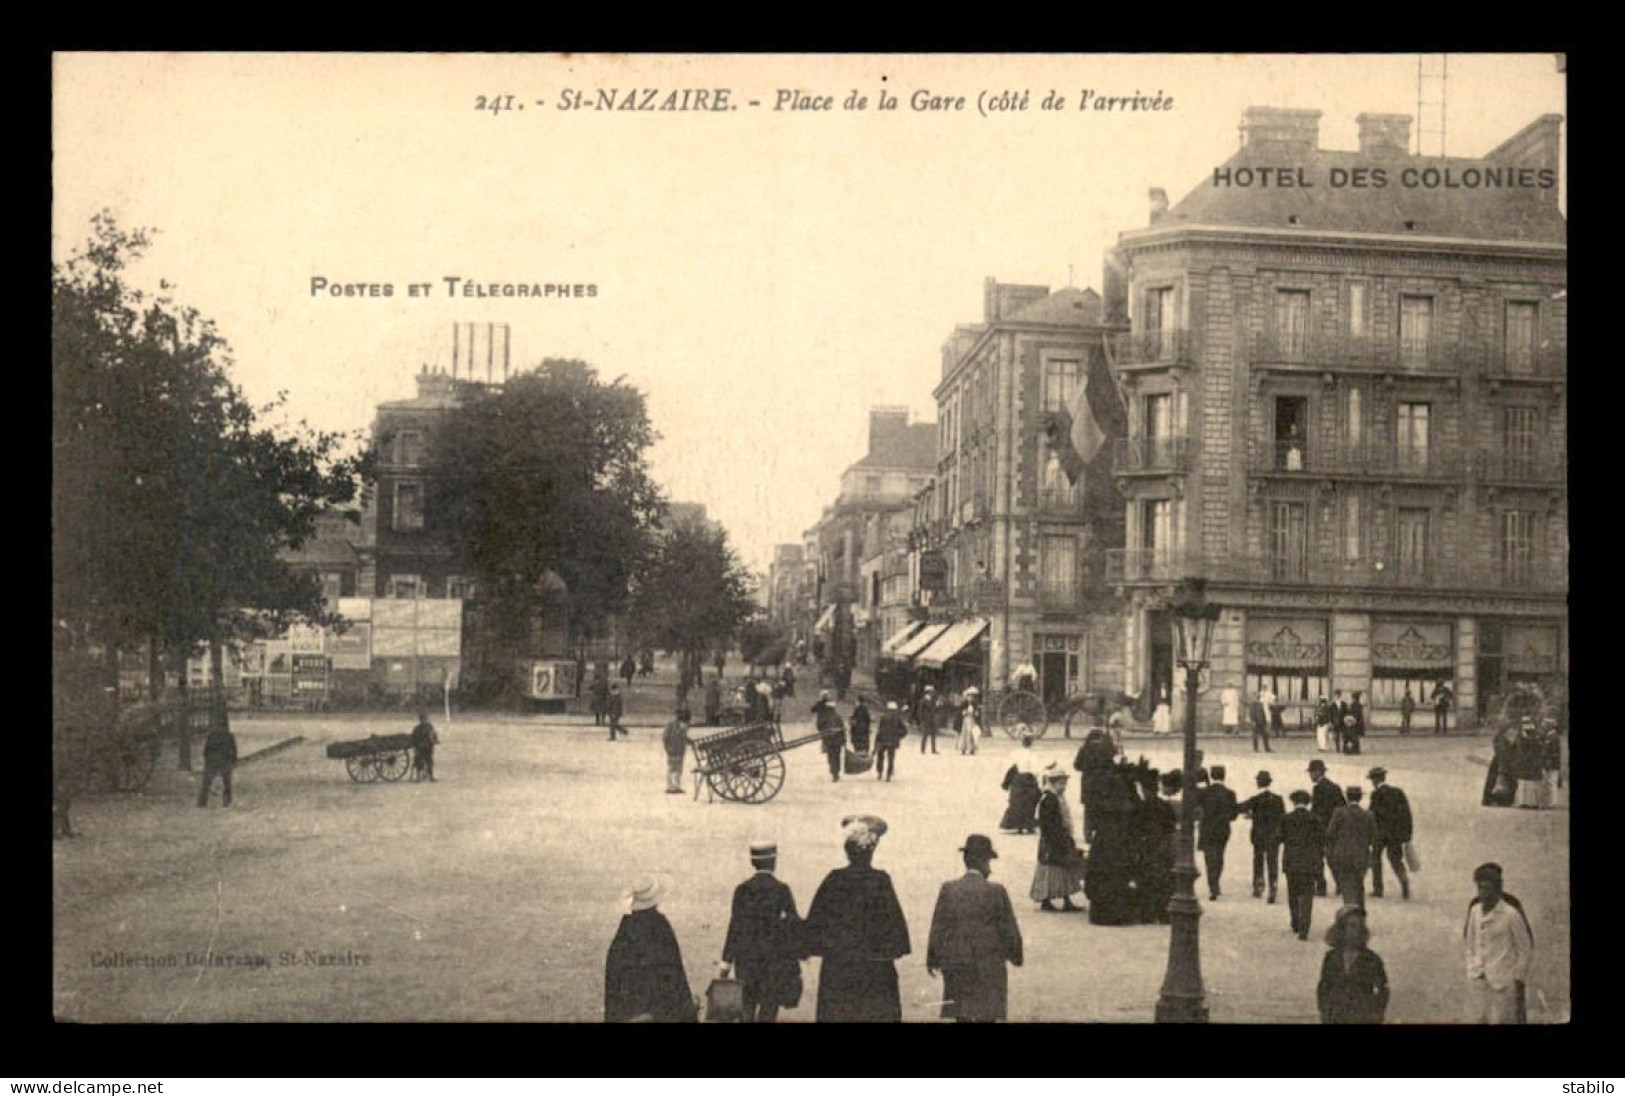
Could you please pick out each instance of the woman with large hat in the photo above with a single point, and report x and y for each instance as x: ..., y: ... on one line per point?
x: 1060, y: 868
x: 644, y: 980
x: 856, y: 925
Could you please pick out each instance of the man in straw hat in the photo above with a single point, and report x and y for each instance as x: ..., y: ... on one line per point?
x: 856, y: 925
x: 644, y: 980
x: 761, y: 944
x: 973, y: 935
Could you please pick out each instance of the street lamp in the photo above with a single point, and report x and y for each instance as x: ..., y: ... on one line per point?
x: 1183, y: 1000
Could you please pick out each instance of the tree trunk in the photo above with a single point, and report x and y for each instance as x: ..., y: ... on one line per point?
x: 155, y: 667
x: 183, y: 733
x: 217, y: 683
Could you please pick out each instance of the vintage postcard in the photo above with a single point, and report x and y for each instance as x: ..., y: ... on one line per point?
x: 585, y: 538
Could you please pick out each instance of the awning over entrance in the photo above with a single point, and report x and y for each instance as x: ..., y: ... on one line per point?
x: 920, y: 640
x: 899, y: 637
x: 827, y: 621
x: 956, y: 638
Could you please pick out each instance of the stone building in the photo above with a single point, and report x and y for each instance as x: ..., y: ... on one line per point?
x: 1007, y: 551
x: 1347, y: 414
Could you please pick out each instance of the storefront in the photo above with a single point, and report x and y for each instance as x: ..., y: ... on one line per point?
x: 957, y: 655
x: 1410, y: 654
x: 1058, y: 658
x: 1290, y: 657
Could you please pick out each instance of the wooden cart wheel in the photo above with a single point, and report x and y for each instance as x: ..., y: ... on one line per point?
x: 361, y: 769
x: 744, y: 780
x: 131, y: 764
x: 1021, y: 706
x: 393, y: 766
x: 718, y: 783
x: 770, y: 778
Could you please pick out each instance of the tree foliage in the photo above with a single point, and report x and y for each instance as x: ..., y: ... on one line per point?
x: 694, y: 595
x: 171, y: 500
x: 548, y: 474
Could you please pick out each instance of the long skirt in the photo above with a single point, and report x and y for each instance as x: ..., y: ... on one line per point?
x: 1162, y: 720
x: 1051, y: 881
x: 1548, y: 788
x: 1323, y: 736
x: 1529, y: 793
x: 1022, y: 811
x: 854, y: 990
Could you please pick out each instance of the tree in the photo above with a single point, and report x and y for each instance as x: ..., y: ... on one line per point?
x: 546, y: 475
x: 763, y: 643
x: 694, y: 595
x: 171, y: 502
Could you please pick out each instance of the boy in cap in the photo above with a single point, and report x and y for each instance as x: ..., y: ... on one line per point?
x: 1392, y: 812
x: 1325, y: 798
x: 973, y: 935
x: 761, y: 942
x: 675, y: 740
x: 1304, y: 851
x: 1266, y: 811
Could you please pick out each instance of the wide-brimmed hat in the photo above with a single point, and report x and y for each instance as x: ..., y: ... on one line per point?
x: 645, y: 893
x: 1378, y: 773
x: 979, y: 845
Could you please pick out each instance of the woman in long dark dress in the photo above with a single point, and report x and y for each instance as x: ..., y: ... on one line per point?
x: 1059, y: 873
x: 644, y: 980
x: 856, y: 925
x: 1353, y: 983
x: 1021, y: 781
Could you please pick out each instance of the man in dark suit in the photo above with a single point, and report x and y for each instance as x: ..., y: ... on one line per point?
x: 1218, y: 810
x: 1349, y: 838
x: 1392, y: 812
x: 973, y: 935
x: 1325, y: 797
x: 762, y: 944
x: 1266, y: 811
x: 1303, y: 841
x: 219, y: 758
x: 615, y: 709
x: 926, y: 716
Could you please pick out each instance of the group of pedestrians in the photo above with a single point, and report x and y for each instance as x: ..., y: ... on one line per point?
x: 1526, y: 767
x: 855, y: 925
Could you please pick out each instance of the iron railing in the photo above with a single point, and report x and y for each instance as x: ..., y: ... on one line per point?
x: 1157, y: 454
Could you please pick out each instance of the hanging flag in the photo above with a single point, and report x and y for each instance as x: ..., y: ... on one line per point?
x: 1080, y: 431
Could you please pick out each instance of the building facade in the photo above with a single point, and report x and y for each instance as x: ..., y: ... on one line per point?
x: 1004, y: 541
x: 1346, y: 413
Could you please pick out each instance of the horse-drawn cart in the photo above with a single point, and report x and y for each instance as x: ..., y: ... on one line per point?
x: 386, y: 757
x: 743, y: 764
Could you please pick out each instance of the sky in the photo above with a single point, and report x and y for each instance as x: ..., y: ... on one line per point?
x: 764, y: 276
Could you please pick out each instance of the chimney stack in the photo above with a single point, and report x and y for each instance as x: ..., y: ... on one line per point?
x: 1159, y: 203
x: 1384, y: 136
x: 1277, y: 129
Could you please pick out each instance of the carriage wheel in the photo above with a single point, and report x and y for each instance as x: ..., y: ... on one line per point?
x: 769, y: 770
x: 1020, y: 707
x: 393, y: 766
x: 361, y: 769
x: 744, y: 780
x: 720, y: 785
x: 130, y: 764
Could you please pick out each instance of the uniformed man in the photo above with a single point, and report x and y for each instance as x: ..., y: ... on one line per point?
x: 1325, y: 798
x: 1392, y: 811
x: 219, y: 758
x: 761, y: 945
x: 1218, y: 808
x: 1266, y: 810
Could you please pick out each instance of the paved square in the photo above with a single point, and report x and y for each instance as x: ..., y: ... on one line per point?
x: 492, y: 894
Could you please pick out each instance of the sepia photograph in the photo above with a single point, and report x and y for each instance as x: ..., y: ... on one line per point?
x: 807, y: 538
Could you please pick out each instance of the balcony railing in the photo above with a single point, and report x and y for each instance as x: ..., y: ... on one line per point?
x: 1540, y: 467
x: 1170, y: 347
x: 1538, y: 363
x: 1130, y: 565
x: 1151, y: 455
x: 1346, y: 458
x: 1319, y: 349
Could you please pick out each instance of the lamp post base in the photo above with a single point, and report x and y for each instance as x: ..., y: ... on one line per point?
x: 1181, y: 1010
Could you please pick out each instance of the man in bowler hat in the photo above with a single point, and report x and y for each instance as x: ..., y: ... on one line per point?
x: 973, y: 935
x: 762, y: 945
x: 1392, y: 812
x: 1325, y: 798
x: 1217, y: 810
x: 1266, y: 811
x: 1303, y: 841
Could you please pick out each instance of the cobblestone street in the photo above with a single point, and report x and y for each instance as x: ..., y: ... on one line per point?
x: 492, y: 894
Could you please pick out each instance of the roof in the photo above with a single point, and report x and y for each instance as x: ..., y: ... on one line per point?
x: 322, y: 552
x: 1477, y: 213
x: 1070, y: 307
x: 914, y: 447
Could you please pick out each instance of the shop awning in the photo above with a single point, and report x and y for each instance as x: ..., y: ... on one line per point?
x: 899, y: 637
x: 827, y: 621
x: 956, y: 638
x: 920, y: 640
x: 1400, y: 647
